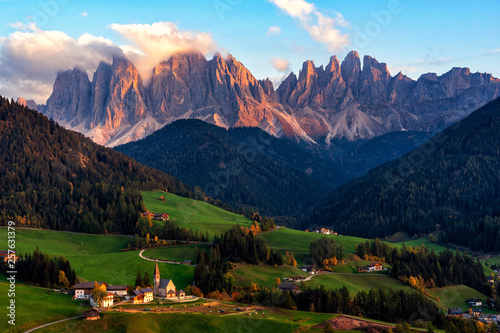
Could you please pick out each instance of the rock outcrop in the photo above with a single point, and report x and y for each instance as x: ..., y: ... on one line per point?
x: 341, y: 100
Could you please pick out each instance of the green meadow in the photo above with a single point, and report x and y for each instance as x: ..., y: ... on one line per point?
x: 176, y: 253
x: 36, y: 306
x: 96, y: 257
x: 193, y: 214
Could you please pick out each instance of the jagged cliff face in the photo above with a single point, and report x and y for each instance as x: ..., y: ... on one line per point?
x: 341, y: 100
x: 355, y: 102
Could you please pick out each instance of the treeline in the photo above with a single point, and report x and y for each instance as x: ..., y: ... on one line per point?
x: 240, y: 244
x: 58, y: 179
x: 450, y: 183
x: 41, y: 270
x: 424, y: 268
x: 438, y: 270
x: 235, y: 245
x: 324, y: 250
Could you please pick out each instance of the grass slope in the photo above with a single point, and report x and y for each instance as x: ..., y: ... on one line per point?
x: 357, y: 282
x: 176, y: 253
x: 175, y: 322
x: 193, y: 214
x: 264, y: 275
x: 96, y: 257
x: 455, y: 296
x: 36, y: 306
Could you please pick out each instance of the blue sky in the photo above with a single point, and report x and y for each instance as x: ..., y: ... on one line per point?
x: 412, y: 36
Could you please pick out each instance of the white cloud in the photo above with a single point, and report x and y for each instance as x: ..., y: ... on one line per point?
x: 158, y: 41
x: 84, y: 14
x: 273, y: 31
x: 30, y: 57
x: 323, y: 29
x: 281, y: 65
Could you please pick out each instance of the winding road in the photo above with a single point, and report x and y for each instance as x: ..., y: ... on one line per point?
x: 52, y: 323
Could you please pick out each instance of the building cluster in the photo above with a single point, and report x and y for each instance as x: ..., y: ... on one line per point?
x: 324, y: 231
x: 163, y: 288
x: 373, y: 267
x: 158, y: 216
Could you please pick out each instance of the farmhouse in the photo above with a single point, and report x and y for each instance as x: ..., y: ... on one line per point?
x: 5, y: 256
x: 290, y: 287
x: 144, y: 295
x: 309, y: 269
x: 120, y: 290
x: 474, y: 302
x: 92, y: 314
x: 375, y: 267
x: 456, y: 311
x: 161, y: 216
x: 84, y: 289
x: 106, y: 302
x: 323, y: 231
x: 165, y: 287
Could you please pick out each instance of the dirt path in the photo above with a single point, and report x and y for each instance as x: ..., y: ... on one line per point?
x: 162, y: 261
x: 52, y: 323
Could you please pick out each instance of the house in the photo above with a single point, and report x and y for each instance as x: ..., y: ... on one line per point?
x: 456, y: 311
x: 92, y: 314
x: 163, y: 287
x: 475, y: 312
x: 144, y: 295
x: 84, y: 289
x: 7, y: 255
x: 309, y: 269
x: 181, y: 293
x: 474, y: 302
x: 161, y: 216
x: 148, y: 214
x: 120, y: 290
x: 290, y: 287
x: 294, y: 278
x: 374, y: 267
x: 491, y: 280
x: 107, y: 301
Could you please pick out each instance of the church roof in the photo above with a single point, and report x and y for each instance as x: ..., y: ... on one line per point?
x: 164, y: 283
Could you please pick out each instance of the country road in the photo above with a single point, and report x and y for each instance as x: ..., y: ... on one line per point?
x: 52, y: 323
x: 163, y: 261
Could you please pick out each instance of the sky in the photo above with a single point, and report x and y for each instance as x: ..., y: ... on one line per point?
x: 270, y: 37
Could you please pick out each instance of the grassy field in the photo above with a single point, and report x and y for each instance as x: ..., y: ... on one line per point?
x: 264, y: 275
x: 152, y: 322
x: 36, y: 306
x: 423, y: 241
x: 455, y: 296
x: 192, y: 214
x: 96, y: 257
x: 176, y: 253
x: 357, y: 282
x: 291, y: 239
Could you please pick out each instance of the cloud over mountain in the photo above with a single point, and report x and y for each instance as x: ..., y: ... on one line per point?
x: 31, y: 57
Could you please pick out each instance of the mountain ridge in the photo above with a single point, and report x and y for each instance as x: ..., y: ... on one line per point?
x: 342, y: 100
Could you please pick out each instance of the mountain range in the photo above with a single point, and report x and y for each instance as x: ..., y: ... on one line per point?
x: 340, y: 101
x: 450, y: 185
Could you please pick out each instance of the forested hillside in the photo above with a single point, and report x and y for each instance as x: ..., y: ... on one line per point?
x: 54, y: 178
x: 240, y: 166
x: 450, y: 184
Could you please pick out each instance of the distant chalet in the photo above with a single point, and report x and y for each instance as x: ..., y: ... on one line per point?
x: 5, y: 256
x: 92, y: 314
x: 371, y: 268
x: 323, y: 231
x: 159, y: 216
x: 289, y: 287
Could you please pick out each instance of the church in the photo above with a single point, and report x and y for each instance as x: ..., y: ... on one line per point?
x: 165, y: 287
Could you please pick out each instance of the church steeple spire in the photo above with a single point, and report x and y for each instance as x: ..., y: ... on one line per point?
x: 156, y: 277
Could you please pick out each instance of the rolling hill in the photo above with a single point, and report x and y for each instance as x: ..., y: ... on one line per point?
x: 240, y: 166
x: 450, y: 184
